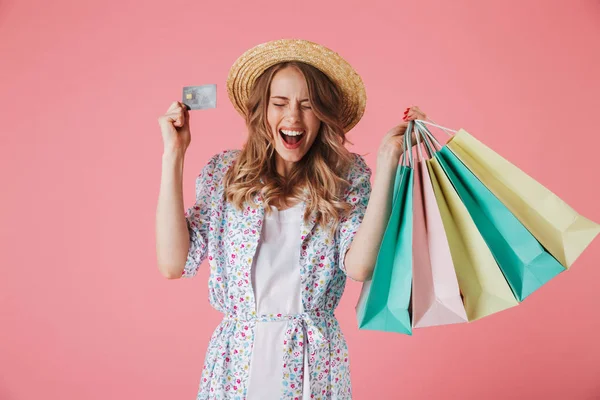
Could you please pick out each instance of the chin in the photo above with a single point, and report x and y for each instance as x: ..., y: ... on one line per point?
x: 291, y: 155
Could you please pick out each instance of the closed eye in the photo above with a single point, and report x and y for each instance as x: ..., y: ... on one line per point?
x: 282, y: 105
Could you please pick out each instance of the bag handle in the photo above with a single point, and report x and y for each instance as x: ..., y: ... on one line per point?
x: 448, y: 131
x: 408, y: 153
x: 419, y: 154
x: 421, y: 142
x: 430, y: 140
x: 429, y: 146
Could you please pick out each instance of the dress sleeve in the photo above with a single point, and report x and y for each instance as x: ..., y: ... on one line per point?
x: 198, y: 216
x: 357, y: 194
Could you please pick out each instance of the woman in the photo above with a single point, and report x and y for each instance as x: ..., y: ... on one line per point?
x: 279, y: 222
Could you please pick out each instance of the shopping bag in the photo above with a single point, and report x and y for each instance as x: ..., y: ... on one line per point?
x: 436, y: 297
x: 384, y: 301
x: 557, y: 226
x: 526, y: 265
x: 482, y: 284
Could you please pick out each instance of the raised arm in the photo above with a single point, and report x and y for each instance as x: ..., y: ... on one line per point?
x: 362, y: 255
x: 172, y: 235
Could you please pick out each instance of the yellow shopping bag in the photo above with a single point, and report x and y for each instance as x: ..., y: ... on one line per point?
x: 481, y: 282
x: 559, y: 228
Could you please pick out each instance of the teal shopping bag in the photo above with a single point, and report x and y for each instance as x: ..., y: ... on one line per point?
x: 525, y: 263
x: 384, y: 300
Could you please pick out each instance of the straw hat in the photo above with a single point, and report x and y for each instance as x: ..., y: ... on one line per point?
x: 250, y: 65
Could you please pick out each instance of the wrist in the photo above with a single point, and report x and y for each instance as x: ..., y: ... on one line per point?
x: 388, y: 160
x: 173, y: 154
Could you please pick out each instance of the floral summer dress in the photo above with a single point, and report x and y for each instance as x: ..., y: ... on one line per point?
x: 229, y: 239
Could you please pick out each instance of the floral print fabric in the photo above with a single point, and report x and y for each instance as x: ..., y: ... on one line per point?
x: 228, y: 238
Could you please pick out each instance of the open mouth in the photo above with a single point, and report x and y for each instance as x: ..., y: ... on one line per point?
x: 292, y: 139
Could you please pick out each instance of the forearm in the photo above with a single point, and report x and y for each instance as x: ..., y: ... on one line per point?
x: 172, y: 236
x: 362, y: 254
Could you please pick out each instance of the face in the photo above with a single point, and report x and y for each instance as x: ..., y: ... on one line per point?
x: 291, y: 118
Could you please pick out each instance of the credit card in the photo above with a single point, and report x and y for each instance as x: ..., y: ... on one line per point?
x: 200, y: 97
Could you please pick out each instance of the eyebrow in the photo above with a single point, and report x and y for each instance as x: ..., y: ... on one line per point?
x: 285, y: 98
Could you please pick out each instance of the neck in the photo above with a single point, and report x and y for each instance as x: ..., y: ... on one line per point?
x: 283, y: 167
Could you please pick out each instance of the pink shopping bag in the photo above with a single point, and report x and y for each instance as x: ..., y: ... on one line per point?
x: 436, y: 298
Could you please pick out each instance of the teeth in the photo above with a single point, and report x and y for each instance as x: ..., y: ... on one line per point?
x: 292, y: 133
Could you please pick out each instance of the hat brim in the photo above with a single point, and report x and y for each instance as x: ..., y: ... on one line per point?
x: 250, y: 65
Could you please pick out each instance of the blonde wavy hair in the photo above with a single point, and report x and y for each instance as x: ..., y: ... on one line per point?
x: 321, y: 171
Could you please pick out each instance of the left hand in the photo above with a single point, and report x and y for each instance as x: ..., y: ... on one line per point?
x: 391, y: 147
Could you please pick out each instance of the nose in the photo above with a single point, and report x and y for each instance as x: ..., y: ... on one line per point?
x: 293, y: 113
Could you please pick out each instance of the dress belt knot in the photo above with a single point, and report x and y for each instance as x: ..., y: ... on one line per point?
x: 305, y: 333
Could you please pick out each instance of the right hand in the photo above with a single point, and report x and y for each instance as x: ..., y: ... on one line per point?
x: 392, y: 145
x: 175, y: 127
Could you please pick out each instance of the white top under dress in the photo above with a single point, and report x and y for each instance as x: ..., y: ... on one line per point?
x: 277, y: 289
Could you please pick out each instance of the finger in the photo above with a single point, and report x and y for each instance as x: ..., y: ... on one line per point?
x: 172, y: 107
x: 181, y: 111
x: 185, y: 108
x: 415, y: 110
x: 176, y: 118
x: 400, y: 129
x: 410, y: 115
x: 416, y: 115
x: 176, y: 114
x: 166, y: 120
x: 177, y: 107
x: 179, y: 120
x: 184, y: 111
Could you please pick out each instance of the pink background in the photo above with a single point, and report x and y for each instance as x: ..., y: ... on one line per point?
x: 84, y: 312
